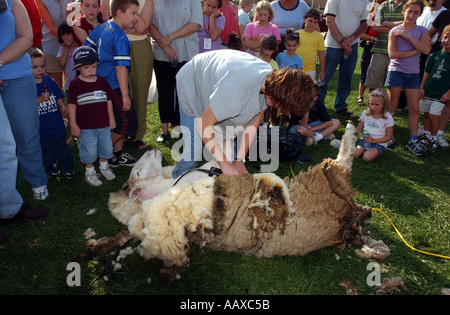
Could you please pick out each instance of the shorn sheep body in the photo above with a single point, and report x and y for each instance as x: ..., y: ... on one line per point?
x: 253, y: 214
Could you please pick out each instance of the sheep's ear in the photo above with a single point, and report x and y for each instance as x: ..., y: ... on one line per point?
x: 135, y: 193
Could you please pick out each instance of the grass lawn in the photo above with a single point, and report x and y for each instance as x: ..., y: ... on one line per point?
x: 413, y: 191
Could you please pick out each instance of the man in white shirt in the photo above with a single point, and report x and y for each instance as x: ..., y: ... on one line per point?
x: 429, y: 13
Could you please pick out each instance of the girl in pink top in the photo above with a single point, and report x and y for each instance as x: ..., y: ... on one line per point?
x: 261, y: 28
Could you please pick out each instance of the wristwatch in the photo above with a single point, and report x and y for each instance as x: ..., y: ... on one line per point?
x: 1, y: 63
x: 240, y: 160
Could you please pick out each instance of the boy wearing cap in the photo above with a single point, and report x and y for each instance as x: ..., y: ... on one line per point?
x: 113, y: 47
x: 55, y: 151
x: 91, y: 115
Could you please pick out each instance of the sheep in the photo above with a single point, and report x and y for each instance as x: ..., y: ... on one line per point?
x: 254, y: 214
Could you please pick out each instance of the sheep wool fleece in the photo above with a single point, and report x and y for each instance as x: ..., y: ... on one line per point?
x: 254, y: 214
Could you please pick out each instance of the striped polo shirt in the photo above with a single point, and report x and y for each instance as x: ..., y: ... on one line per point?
x: 388, y: 11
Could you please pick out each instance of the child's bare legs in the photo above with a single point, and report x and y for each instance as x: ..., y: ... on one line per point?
x: 433, y: 123
x: 412, y: 97
x: 426, y: 121
x: 117, y: 141
x: 444, y: 118
x: 394, y: 96
x: 367, y: 156
x: 329, y: 130
x: 362, y: 89
x: 305, y: 131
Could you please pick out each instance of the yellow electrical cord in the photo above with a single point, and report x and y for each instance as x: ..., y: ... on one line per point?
x: 417, y: 250
x: 390, y: 221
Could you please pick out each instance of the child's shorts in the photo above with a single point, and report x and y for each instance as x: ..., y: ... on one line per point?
x: 381, y: 148
x: 404, y: 80
x: 428, y: 105
x: 312, y: 124
x: 95, y: 143
x: 126, y: 122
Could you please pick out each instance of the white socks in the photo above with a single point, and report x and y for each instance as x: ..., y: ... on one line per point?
x: 104, y: 164
x: 318, y: 137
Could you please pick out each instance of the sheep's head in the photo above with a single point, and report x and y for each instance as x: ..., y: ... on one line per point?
x: 147, y: 168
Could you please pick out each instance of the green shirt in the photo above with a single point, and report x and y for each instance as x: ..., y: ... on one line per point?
x: 388, y: 11
x: 438, y: 82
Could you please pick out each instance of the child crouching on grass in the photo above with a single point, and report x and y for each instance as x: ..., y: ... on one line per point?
x: 316, y: 124
x: 91, y: 115
x: 55, y: 151
x: 378, y: 126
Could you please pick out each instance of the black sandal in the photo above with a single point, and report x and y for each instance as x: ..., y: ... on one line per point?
x: 345, y: 113
x: 360, y: 101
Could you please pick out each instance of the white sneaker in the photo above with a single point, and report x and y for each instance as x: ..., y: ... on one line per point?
x: 40, y: 193
x: 310, y: 141
x: 331, y: 136
x: 440, y: 139
x: 92, y: 179
x: 109, y: 175
x: 335, y: 143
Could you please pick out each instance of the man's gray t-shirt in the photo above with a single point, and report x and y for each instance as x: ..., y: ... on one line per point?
x: 227, y: 79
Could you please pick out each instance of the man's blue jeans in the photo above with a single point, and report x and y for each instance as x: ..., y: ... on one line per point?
x: 193, y: 146
x: 335, y: 58
x: 10, y: 199
x: 20, y: 102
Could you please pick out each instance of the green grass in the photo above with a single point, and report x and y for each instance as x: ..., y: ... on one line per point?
x: 413, y: 191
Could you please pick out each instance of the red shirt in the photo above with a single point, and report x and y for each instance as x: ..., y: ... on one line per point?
x: 91, y: 99
x: 35, y: 19
x: 231, y: 21
x: 85, y: 25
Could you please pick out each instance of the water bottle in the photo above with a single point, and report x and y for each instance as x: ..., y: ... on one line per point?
x: 366, y: 145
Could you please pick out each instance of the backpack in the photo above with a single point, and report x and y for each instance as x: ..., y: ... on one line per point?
x: 290, y: 144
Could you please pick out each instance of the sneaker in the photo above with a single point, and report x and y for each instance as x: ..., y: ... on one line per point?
x: 440, y: 139
x: 330, y: 137
x: 391, y: 143
x: 40, y: 193
x: 69, y: 174
x: 335, y: 143
x: 163, y: 138
x: 420, y: 132
x: 416, y: 147
x: 429, y: 144
x: 124, y: 159
x: 107, y: 173
x: 92, y: 179
x: 54, y: 174
x: 310, y: 141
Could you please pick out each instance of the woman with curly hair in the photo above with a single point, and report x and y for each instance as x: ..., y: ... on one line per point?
x: 218, y: 104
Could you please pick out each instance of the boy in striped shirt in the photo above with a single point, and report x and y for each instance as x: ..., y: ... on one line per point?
x: 91, y: 115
